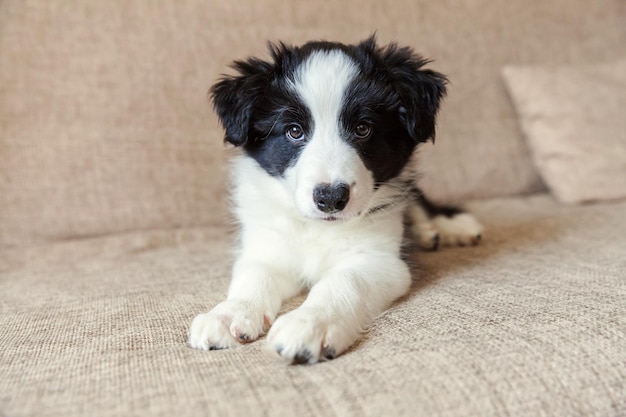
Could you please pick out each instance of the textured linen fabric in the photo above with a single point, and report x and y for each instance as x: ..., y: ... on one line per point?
x: 104, y: 119
x: 105, y: 126
x: 573, y: 118
x: 531, y: 322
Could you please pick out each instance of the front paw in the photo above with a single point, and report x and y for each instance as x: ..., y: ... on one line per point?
x: 228, y: 324
x: 308, y: 335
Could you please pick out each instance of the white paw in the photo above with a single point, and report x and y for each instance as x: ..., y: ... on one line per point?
x: 426, y: 235
x: 307, y: 335
x: 459, y: 230
x: 228, y: 324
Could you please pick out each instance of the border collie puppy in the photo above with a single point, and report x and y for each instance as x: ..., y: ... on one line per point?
x: 321, y: 191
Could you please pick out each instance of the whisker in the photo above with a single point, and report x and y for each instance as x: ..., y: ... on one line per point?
x: 269, y: 132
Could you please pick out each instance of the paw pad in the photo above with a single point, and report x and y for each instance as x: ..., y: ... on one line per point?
x: 302, y: 357
x: 328, y: 353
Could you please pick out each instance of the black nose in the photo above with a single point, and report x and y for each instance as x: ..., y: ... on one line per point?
x: 331, y: 198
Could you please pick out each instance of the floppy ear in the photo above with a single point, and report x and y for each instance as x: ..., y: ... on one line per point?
x: 234, y: 98
x: 420, y: 90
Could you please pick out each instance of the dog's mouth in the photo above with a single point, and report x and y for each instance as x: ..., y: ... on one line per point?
x: 338, y: 217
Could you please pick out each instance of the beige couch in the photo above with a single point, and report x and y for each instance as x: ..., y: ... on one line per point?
x: 114, y: 229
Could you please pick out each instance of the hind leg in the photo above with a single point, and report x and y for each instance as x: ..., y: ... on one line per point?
x: 461, y: 229
x: 436, y: 225
x: 423, y: 229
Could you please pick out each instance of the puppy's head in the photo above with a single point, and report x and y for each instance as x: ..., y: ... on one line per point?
x: 332, y: 122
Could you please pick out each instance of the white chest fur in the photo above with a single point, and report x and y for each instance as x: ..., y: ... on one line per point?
x: 274, y: 232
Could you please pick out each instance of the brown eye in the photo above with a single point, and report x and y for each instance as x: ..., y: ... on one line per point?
x: 294, y: 132
x: 363, y: 130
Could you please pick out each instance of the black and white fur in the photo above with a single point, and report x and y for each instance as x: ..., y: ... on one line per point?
x: 321, y: 191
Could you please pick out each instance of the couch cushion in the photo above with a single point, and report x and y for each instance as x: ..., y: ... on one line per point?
x: 532, y: 322
x: 105, y: 127
x: 104, y: 120
x: 573, y: 118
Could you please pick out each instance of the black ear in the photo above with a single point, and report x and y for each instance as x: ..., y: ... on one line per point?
x: 420, y: 90
x: 234, y: 98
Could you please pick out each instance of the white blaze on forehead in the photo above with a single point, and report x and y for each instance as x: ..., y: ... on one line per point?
x: 321, y: 81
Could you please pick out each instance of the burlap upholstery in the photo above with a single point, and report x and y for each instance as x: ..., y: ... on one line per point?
x: 114, y: 231
x: 533, y: 322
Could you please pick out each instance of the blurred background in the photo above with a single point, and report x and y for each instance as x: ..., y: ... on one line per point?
x: 105, y: 124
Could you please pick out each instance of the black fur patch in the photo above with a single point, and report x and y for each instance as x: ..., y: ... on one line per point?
x: 391, y: 92
x: 433, y: 209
